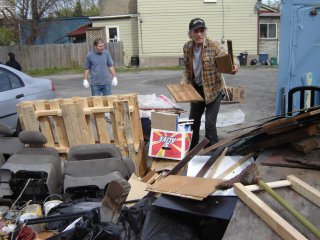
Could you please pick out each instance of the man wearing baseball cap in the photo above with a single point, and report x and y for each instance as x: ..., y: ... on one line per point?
x: 200, y: 71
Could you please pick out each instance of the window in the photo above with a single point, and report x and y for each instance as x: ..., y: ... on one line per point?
x: 113, y: 34
x: 268, y: 30
x: 9, y: 81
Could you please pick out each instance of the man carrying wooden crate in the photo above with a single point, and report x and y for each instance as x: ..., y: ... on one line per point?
x: 201, y: 71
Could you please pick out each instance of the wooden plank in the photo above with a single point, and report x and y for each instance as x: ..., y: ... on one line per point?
x: 188, y: 157
x: 184, y: 93
x: 217, y: 153
x: 212, y: 171
x: 140, y: 170
x: 100, y: 120
x: 70, y: 118
x: 276, y: 184
x: 44, y: 122
x: 30, y: 118
x: 305, y: 189
x: 120, y: 127
x: 59, y: 125
x: 82, y: 124
x: 84, y: 104
x: 275, y: 221
x: 235, y: 165
x: 224, y: 63
x: 183, y: 186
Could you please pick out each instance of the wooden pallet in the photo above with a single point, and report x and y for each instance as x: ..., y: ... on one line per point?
x: 75, y: 121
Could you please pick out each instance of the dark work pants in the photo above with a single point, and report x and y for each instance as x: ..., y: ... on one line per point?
x: 196, y: 111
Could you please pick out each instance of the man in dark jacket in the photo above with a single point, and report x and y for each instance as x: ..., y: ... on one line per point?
x: 13, y: 62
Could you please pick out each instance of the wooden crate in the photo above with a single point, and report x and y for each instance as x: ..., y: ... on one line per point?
x: 233, y: 94
x: 74, y: 121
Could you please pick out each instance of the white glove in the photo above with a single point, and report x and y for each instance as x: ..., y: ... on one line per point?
x: 114, y: 81
x: 85, y: 83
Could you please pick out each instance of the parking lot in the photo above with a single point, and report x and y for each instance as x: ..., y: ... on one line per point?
x: 259, y: 82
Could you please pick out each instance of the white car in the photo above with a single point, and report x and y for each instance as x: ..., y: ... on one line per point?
x: 16, y: 86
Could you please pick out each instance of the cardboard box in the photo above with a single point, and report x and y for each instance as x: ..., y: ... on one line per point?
x: 169, y: 144
x: 164, y: 121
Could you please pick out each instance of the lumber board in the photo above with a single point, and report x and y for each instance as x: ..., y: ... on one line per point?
x: 305, y: 189
x: 186, y: 187
x: 274, y: 220
x: 212, y: 171
x: 184, y: 93
x: 31, y: 122
x: 61, y: 133
x: 100, y: 120
x: 84, y: 103
x: 44, y: 123
x: 120, y: 127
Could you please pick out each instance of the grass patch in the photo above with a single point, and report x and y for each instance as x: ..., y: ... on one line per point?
x: 51, y: 71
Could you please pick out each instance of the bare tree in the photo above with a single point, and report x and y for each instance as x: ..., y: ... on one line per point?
x: 28, y: 14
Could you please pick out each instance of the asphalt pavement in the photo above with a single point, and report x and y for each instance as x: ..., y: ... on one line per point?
x: 259, y: 82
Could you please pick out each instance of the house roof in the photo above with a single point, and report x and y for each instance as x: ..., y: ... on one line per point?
x: 267, y: 11
x: 79, y: 31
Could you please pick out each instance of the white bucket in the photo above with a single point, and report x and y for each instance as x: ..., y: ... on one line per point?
x: 49, y: 205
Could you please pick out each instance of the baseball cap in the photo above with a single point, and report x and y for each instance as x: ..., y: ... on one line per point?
x: 196, y: 23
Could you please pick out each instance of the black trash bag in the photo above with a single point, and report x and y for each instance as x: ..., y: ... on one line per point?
x: 87, y: 231
x: 132, y: 219
x: 82, y: 230
x: 163, y: 224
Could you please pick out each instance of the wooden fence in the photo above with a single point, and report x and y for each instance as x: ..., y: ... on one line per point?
x: 57, y: 55
x: 74, y: 121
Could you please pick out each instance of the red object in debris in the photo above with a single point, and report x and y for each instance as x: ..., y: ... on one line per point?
x: 169, y: 144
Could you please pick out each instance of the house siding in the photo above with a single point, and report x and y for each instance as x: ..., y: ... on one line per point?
x: 163, y: 29
x: 128, y: 29
x: 270, y: 46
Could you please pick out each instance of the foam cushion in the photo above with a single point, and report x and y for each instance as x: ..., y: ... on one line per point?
x: 32, y: 137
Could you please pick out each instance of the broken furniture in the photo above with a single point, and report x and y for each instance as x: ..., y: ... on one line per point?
x: 91, y: 167
x: 76, y: 121
x: 36, y: 168
x: 309, y: 96
x: 245, y: 224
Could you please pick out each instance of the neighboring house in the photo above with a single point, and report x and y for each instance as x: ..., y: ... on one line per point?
x: 79, y: 35
x: 5, y: 4
x: 269, y: 29
x: 155, y: 31
x: 55, y: 31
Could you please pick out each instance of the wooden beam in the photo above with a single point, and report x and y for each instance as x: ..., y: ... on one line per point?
x: 305, y: 190
x: 274, y: 220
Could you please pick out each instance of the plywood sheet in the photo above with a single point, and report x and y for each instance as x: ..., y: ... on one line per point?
x: 184, y: 93
x: 183, y: 186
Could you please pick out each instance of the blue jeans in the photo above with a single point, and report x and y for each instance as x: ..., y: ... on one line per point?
x: 98, y: 90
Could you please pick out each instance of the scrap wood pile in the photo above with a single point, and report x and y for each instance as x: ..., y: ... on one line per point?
x: 292, y: 137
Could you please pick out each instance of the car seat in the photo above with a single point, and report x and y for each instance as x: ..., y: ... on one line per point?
x: 94, y: 166
x: 8, y: 143
x: 35, y: 164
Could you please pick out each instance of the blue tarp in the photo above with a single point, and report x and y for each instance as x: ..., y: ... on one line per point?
x: 54, y: 30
